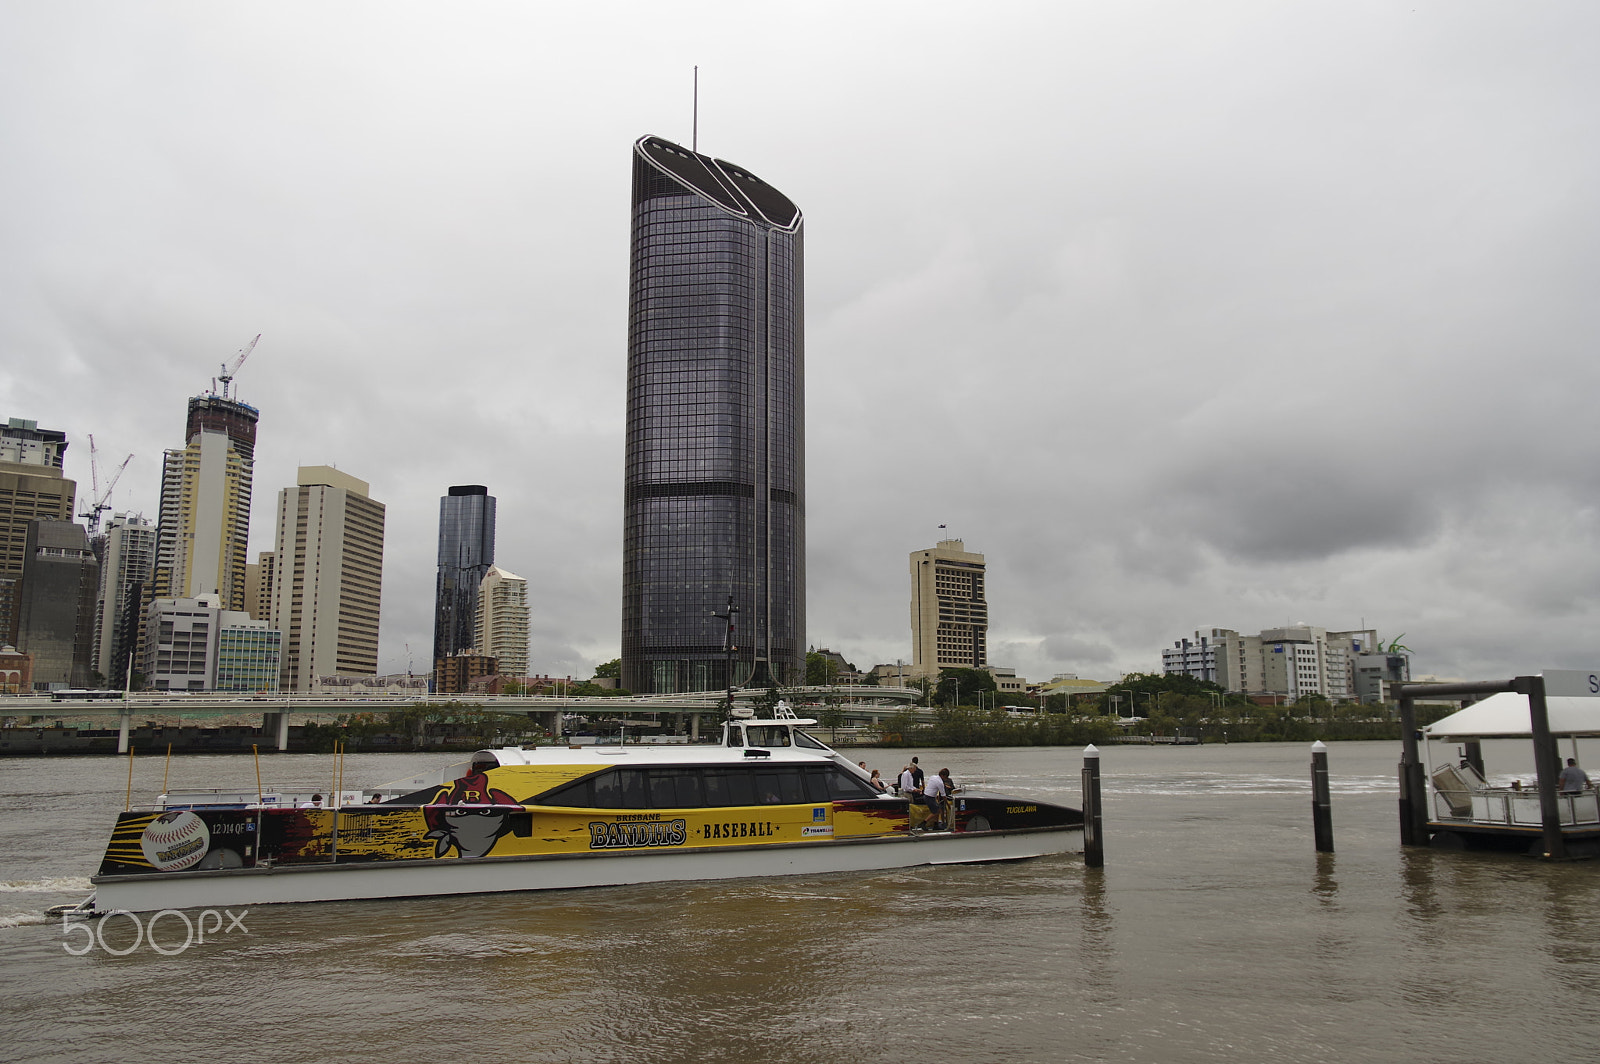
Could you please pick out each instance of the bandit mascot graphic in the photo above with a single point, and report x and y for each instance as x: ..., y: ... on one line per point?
x: 464, y: 816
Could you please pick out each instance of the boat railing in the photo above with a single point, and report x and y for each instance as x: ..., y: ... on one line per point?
x: 1512, y: 807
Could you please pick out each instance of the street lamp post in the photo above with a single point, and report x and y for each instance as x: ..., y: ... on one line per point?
x: 729, y: 645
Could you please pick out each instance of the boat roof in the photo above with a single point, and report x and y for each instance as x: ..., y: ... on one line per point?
x: 1505, y: 715
x: 655, y: 754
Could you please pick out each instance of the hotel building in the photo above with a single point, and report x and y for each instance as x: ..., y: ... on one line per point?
x: 501, y: 629
x: 328, y: 577
x: 949, y: 612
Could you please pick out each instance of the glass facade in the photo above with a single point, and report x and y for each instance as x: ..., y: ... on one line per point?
x: 247, y: 659
x: 714, y: 481
x: 466, y: 551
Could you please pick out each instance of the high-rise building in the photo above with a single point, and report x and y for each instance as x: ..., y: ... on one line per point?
x: 466, y: 551
x: 127, y: 563
x: 56, y: 618
x: 714, y: 478
x: 501, y: 630
x: 196, y: 645
x: 203, y: 533
x: 258, y: 580
x: 453, y: 675
x: 949, y: 611
x: 328, y: 583
x: 31, y: 489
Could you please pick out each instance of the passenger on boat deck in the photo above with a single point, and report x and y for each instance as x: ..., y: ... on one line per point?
x: 933, y: 795
x: 877, y: 780
x: 949, y: 784
x: 1573, y: 780
x: 375, y: 799
x: 315, y: 803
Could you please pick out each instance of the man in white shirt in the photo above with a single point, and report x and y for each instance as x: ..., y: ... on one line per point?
x: 933, y: 789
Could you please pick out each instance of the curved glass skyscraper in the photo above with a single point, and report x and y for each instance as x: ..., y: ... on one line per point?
x: 466, y: 551
x: 715, y: 468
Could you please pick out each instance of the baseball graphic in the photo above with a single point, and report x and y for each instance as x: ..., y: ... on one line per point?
x: 175, y: 841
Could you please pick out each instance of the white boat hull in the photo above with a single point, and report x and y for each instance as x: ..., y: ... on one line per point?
x: 239, y: 888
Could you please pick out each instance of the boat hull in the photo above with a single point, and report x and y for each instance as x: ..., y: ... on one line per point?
x: 243, y: 887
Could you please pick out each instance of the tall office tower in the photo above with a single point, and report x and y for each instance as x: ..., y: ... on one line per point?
x: 466, y: 551
x: 31, y: 488
x: 258, y: 581
x: 329, y: 577
x: 127, y: 564
x: 714, y: 479
x: 501, y: 629
x: 949, y: 614
x: 202, y: 537
x: 59, y: 584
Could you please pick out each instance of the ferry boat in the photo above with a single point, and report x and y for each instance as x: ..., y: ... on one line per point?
x: 770, y: 799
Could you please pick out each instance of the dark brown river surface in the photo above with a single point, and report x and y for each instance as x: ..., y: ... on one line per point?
x: 1214, y: 934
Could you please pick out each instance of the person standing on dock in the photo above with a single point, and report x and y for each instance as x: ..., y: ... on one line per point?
x: 1573, y: 780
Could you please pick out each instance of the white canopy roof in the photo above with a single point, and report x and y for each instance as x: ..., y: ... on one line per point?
x: 1506, y: 714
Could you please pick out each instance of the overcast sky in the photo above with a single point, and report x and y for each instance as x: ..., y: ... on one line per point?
x: 1184, y: 315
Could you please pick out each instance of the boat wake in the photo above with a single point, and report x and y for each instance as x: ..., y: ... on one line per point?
x: 59, y: 885
x: 22, y: 919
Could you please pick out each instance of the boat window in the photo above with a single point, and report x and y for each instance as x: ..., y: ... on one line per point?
x: 805, y: 740
x: 844, y: 784
x: 779, y: 786
x: 633, y: 788
x: 617, y: 788
x: 773, y: 735
x: 607, y: 791
x: 673, y: 788
x: 579, y: 794
x: 729, y: 787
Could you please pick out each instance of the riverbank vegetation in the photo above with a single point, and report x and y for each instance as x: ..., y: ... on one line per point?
x: 1141, y: 706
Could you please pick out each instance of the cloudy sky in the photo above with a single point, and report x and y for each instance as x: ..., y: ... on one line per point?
x: 1185, y: 315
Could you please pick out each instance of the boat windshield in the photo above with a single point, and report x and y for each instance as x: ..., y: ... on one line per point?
x: 803, y: 739
x: 773, y: 735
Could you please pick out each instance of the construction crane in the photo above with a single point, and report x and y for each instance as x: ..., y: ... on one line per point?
x: 229, y: 369
x: 100, y: 505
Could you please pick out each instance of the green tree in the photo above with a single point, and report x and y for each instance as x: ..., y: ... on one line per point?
x: 820, y: 669
x: 585, y: 689
x: 964, y: 683
x: 610, y: 670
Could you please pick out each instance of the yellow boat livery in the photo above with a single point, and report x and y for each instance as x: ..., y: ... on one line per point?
x: 769, y: 787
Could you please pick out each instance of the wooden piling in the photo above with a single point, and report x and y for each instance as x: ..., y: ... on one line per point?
x: 1321, y: 802
x: 1094, y: 852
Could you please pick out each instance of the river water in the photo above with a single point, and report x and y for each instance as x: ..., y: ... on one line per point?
x: 1214, y: 934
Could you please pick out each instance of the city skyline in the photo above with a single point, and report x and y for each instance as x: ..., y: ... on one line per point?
x: 1234, y: 316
